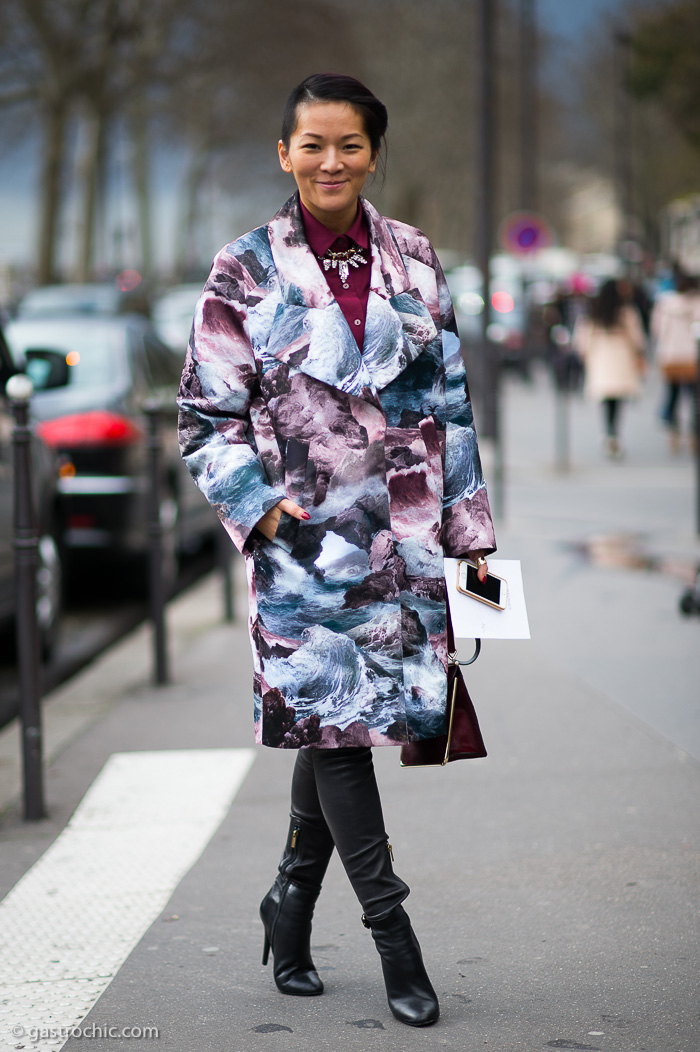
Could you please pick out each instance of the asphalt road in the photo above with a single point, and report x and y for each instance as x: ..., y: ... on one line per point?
x: 555, y: 884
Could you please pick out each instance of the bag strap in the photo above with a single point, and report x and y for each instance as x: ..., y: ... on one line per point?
x: 452, y: 654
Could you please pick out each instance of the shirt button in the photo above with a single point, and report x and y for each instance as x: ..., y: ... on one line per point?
x: 357, y: 321
x: 345, y: 285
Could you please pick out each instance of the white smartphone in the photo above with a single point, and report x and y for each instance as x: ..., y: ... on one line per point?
x: 493, y: 591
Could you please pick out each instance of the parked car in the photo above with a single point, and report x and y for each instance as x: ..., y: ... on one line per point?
x: 92, y: 377
x: 507, y: 325
x: 172, y: 315
x: 46, y: 503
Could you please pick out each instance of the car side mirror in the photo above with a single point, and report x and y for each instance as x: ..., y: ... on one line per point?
x: 46, y: 368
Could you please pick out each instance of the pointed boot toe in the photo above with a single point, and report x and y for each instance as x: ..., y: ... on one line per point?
x: 409, y: 992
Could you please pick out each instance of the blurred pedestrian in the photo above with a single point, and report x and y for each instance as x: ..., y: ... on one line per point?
x: 675, y: 328
x: 635, y: 293
x: 560, y: 317
x: 612, y: 346
x: 325, y: 415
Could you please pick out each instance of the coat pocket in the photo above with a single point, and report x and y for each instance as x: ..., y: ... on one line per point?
x: 296, y: 461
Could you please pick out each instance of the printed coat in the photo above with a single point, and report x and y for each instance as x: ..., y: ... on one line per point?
x: 347, y: 610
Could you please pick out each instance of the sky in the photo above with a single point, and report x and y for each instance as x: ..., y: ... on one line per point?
x: 568, y: 19
x: 571, y: 17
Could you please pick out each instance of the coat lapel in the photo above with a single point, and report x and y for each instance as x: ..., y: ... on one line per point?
x: 311, y: 333
x: 399, y: 325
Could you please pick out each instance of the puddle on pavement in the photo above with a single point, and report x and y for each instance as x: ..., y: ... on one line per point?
x: 626, y: 551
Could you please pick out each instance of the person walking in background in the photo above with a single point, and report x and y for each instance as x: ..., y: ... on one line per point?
x: 324, y: 412
x: 612, y: 346
x: 675, y: 330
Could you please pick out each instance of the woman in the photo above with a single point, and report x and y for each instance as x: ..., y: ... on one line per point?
x: 675, y: 329
x: 325, y: 415
x: 611, y: 343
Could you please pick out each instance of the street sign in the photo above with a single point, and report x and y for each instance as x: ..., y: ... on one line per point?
x: 525, y: 232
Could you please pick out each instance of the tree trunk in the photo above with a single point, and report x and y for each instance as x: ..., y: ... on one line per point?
x: 92, y: 169
x: 186, y: 254
x: 139, y: 139
x: 55, y: 115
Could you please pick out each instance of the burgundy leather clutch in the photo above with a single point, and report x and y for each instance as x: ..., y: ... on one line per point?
x: 463, y: 740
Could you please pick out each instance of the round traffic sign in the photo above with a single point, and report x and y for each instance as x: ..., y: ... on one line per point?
x: 525, y: 232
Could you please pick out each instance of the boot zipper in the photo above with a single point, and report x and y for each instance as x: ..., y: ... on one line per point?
x: 390, y: 850
x: 288, y: 859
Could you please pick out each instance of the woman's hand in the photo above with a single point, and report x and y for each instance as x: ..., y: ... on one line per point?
x: 271, y: 519
x: 483, y: 569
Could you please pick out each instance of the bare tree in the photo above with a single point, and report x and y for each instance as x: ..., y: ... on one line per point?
x: 214, y: 86
x: 85, y: 60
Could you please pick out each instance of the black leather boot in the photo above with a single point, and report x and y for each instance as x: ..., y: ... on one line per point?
x: 286, y: 913
x: 349, y: 798
x: 409, y: 991
x: 348, y: 795
x: 287, y: 909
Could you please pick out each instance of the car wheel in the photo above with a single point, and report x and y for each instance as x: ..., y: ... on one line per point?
x: 49, y: 584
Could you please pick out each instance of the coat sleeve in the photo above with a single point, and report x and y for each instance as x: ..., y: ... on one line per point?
x: 219, y: 384
x: 635, y: 330
x: 466, y: 517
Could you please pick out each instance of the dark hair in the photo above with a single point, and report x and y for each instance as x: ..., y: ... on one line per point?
x: 606, y: 306
x: 335, y: 87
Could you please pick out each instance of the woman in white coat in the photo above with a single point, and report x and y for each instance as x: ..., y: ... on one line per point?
x: 675, y: 329
x: 611, y: 344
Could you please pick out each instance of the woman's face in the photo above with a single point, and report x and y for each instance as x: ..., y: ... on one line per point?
x: 330, y: 157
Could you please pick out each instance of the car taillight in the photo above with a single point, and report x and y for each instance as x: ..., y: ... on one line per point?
x: 99, y: 427
x: 502, y: 302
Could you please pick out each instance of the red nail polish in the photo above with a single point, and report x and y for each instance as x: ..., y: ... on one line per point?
x: 305, y: 515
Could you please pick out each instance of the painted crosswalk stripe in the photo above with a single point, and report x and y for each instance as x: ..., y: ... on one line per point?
x: 70, y: 923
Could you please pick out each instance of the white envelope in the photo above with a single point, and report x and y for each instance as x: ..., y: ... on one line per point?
x: 472, y: 619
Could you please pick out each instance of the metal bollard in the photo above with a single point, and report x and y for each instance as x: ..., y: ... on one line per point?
x: 561, y: 376
x: 19, y: 390
x: 156, y: 590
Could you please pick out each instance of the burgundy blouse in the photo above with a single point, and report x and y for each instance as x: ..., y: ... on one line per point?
x: 352, y: 295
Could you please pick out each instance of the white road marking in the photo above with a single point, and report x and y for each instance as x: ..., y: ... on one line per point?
x: 70, y: 923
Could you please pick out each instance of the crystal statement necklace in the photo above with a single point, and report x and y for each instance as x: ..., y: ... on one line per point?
x: 351, y: 257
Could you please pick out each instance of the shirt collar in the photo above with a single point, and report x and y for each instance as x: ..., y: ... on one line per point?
x: 320, y: 238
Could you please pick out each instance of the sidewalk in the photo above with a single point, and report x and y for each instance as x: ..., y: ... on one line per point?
x: 555, y: 884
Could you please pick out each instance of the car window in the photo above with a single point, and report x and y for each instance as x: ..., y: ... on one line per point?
x: 139, y: 364
x: 53, y: 300
x: 7, y: 366
x: 163, y: 366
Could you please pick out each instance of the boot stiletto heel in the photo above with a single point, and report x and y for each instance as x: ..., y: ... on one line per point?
x: 287, y: 909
